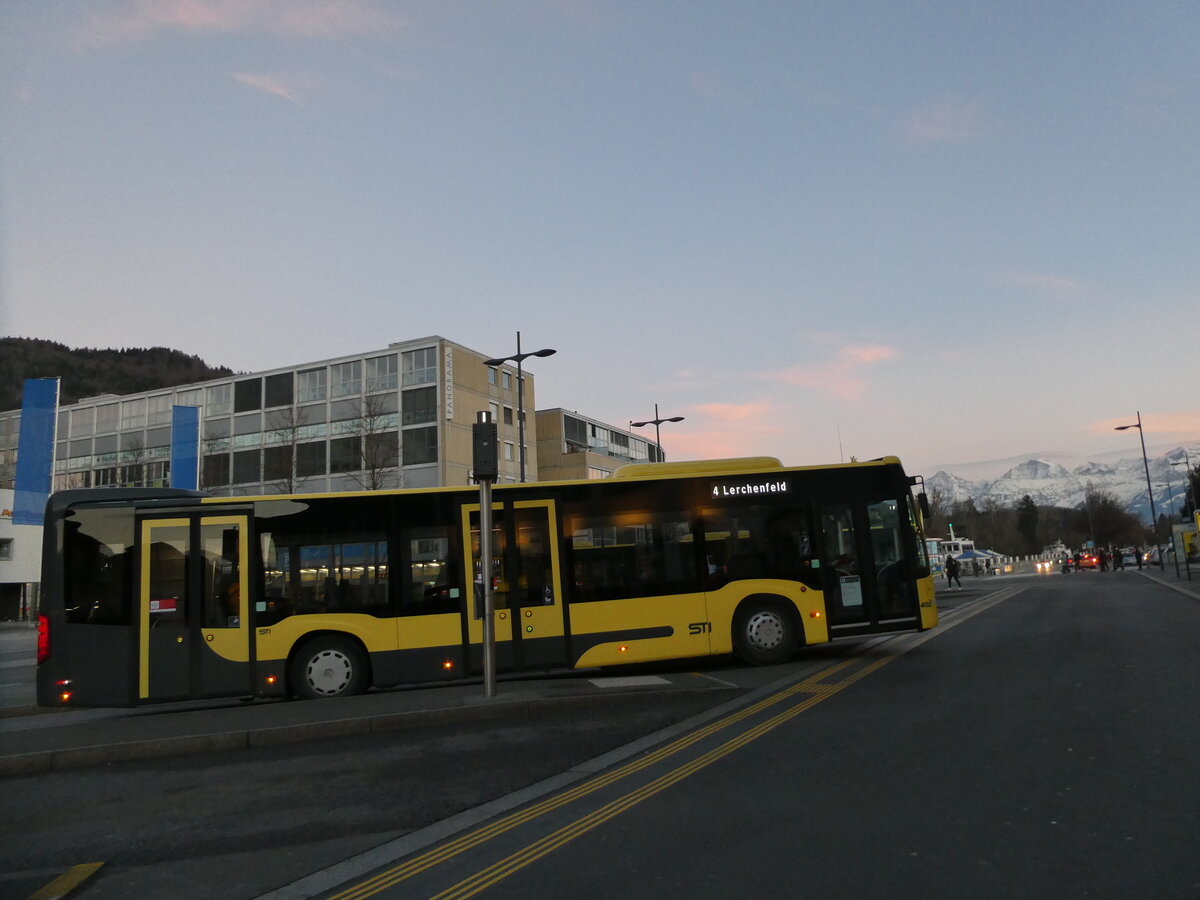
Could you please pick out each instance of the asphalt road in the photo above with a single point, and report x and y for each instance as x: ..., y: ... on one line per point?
x: 1043, y: 745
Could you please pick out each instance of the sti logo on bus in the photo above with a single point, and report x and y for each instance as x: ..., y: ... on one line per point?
x: 744, y: 488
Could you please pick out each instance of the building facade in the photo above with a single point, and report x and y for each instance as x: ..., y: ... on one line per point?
x: 571, y: 446
x: 396, y: 417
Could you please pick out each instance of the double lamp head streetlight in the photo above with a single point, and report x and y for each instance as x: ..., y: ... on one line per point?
x: 519, y: 358
x: 656, y: 422
x: 1149, y: 488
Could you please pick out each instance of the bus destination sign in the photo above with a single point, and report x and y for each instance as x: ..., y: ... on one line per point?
x: 744, y: 488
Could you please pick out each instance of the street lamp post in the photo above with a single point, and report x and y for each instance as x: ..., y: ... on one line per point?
x: 1187, y: 479
x: 656, y: 422
x: 518, y: 359
x: 1149, y: 489
x: 1187, y: 488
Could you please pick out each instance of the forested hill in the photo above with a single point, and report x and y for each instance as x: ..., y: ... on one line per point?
x: 86, y: 372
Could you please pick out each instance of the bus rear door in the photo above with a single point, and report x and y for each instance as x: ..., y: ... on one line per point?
x: 194, y: 628
x: 527, y: 584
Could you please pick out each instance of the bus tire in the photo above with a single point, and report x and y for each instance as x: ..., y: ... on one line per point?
x: 329, y: 666
x: 764, y: 632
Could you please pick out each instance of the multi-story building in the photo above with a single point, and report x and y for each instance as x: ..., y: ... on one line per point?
x: 571, y: 446
x: 395, y: 417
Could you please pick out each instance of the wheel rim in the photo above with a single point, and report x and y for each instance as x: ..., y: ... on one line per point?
x: 765, y: 630
x: 329, y: 672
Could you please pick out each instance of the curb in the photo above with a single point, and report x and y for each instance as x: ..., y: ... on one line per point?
x: 279, y: 735
x: 1187, y: 592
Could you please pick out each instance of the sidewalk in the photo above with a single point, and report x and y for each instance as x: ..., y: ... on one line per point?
x: 83, y: 737
x: 1167, y: 577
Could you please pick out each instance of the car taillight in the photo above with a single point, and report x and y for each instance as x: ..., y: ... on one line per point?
x: 43, y: 653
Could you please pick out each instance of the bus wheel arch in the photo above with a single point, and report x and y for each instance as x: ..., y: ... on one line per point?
x: 328, y: 664
x: 766, y: 629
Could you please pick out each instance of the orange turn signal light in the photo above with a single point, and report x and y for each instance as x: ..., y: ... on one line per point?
x: 448, y: 665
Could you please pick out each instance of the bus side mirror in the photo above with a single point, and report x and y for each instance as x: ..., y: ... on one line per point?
x: 923, y: 502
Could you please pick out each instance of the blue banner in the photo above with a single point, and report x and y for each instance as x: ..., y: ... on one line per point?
x: 185, y: 447
x: 35, y: 450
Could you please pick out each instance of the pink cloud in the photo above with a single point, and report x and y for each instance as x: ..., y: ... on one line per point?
x: 721, y: 430
x: 1180, y: 425
x: 141, y: 19
x: 844, y: 376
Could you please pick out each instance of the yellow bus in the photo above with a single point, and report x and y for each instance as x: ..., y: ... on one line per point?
x: 158, y: 595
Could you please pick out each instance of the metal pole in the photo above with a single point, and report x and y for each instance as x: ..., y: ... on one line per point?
x: 520, y: 407
x: 657, y: 434
x: 485, y: 463
x: 485, y: 566
x: 1162, y: 566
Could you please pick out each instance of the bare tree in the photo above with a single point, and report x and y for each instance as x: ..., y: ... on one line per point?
x: 284, y: 428
x: 378, y: 443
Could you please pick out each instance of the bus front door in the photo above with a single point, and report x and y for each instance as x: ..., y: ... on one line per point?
x: 867, y: 569
x: 194, y: 627
x: 527, y: 586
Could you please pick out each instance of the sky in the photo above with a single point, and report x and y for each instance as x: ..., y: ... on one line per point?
x: 952, y: 232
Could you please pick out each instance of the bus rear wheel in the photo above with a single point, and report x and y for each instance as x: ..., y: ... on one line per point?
x: 329, y: 666
x: 764, y: 633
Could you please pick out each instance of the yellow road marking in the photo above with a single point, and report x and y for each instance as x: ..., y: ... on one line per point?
x: 812, y: 685
x: 67, y: 881
x: 480, y: 881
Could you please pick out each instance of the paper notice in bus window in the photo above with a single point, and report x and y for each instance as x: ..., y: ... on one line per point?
x: 166, y: 604
x: 851, y: 590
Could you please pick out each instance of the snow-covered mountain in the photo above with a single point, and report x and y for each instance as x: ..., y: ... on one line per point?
x: 1052, y: 484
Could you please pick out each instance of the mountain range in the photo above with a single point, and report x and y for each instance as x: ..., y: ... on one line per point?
x: 1050, y: 483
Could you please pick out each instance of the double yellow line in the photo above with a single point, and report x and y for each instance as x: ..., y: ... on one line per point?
x: 815, y: 686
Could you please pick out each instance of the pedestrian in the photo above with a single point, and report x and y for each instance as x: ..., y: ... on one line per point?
x: 1102, y: 557
x: 952, y: 567
x: 1137, y: 551
x: 1118, y: 559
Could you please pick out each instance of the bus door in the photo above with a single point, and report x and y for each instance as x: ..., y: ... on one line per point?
x: 868, y: 578
x: 527, y: 585
x: 192, y: 616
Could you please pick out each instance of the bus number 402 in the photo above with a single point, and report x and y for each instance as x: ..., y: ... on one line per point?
x: 699, y: 627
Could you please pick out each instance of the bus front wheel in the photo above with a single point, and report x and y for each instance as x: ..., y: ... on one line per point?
x: 764, y: 633
x: 329, y: 666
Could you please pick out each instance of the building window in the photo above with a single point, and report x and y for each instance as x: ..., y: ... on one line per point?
x: 191, y: 397
x: 247, y: 466
x: 310, y: 459
x: 310, y: 385
x: 345, y: 379
x: 108, y: 417
x: 491, y: 375
x: 218, y: 400
x: 507, y: 381
x: 83, y: 421
x: 160, y: 410
x: 216, y: 470
x: 420, y: 446
x: 420, y: 406
x: 382, y: 373
x: 277, y: 464
x: 508, y: 450
x: 508, y: 415
x: 420, y: 366
x: 247, y: 395
x: 381, y: 451
x: 6, y: 548
x: 345, y: 454
x: 279, y: 389
x: 133, y: 414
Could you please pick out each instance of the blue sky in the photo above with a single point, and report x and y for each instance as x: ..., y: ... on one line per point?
x: 948, y: 231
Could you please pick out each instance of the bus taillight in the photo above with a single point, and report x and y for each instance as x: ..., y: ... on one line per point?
x: 43, y: 652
